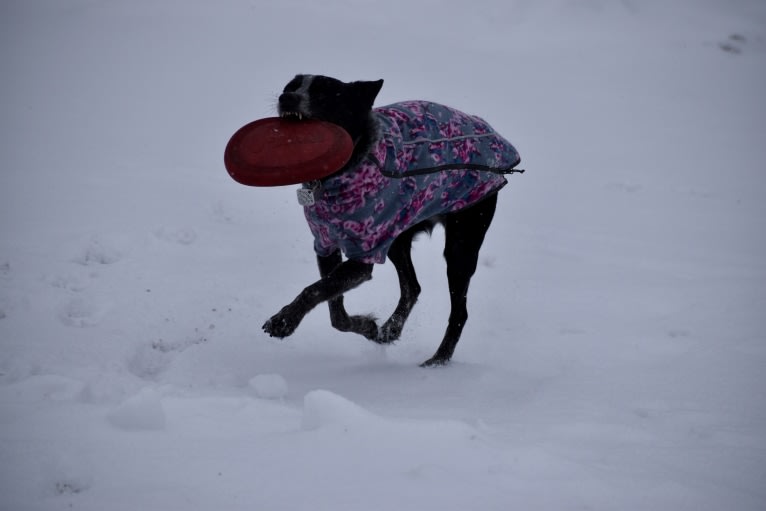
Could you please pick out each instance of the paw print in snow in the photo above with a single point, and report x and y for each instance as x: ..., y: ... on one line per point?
x: 182, y: 236
x: 98, y: 252
x: 81, y: 312
x: 734, y: 44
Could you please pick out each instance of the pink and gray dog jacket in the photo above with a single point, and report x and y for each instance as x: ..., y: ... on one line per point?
x: 429, y: 160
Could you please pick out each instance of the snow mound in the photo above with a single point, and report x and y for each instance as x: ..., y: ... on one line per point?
x: 144, y: 411
x: 323, y: 408
x: 269, y: 386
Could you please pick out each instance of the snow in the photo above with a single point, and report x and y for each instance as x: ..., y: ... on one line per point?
x: 615, y: 351
x: 142, y: 411
x: 269, y: 386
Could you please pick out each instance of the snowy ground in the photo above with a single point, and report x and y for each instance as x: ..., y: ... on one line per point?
x: 615, y: 354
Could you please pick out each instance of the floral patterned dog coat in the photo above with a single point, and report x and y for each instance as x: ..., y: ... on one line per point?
x: 429, y: 160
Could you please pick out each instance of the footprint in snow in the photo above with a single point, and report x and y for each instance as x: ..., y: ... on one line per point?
x: 98, y: 252
x: 68, y: 283
x: 151, y: 359
x: 67, y: 474
x: 734, y: 44
x: 740, y: 44
x: 81, y: 312
x: 181, y: 236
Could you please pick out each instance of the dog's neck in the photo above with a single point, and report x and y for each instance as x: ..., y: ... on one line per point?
x: 364, y: 143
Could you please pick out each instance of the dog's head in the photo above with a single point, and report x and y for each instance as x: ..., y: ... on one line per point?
x: 327, y: 99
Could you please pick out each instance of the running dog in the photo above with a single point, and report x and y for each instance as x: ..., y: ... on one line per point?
x: 414, y: 164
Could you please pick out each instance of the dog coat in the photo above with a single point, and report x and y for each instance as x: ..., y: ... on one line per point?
x: 429, y: 160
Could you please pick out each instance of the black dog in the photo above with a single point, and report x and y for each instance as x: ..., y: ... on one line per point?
x: 373, y: 182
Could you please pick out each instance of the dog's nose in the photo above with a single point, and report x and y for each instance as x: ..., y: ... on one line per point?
x: 289, y: 101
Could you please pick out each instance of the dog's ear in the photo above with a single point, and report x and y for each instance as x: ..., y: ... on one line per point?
x: 367, y: 91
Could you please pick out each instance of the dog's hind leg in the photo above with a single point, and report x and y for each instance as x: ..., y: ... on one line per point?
x: 464, y: 232
x: 339, y: 318
x: 400, y: 255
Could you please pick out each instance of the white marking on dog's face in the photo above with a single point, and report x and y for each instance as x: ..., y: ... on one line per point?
x: 303, y: 90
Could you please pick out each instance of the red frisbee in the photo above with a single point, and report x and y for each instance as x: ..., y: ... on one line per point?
x: 276, y: 151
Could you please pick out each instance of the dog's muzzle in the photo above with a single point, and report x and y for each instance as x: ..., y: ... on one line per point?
x: 291, y: 115
x: 291, y: 106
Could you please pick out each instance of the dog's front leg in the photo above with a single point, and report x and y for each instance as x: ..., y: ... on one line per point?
x: 360, y: 324
x: 345, y: 277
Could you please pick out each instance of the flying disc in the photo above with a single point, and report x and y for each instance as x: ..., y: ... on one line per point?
x: 276, y: 151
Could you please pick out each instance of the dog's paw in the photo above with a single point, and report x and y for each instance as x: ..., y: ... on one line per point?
x: 435, y: 361
x: 280, y: 325
x: 389, y: 332
x: 365, y: 326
